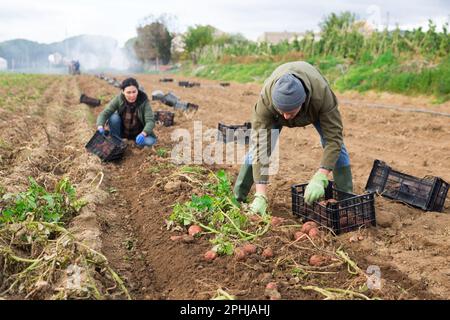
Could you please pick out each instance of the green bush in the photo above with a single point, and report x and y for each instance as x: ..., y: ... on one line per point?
x: 348, y: 56
x: 385, y: 75
x: 38, y: 204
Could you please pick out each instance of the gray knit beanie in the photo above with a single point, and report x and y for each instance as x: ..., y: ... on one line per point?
x: 288, y: 93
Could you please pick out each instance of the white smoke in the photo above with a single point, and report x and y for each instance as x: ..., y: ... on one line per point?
x: 119, y: 60
x: 98, y: 53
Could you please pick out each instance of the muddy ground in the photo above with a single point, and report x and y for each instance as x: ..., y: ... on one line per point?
x: 130, y: 200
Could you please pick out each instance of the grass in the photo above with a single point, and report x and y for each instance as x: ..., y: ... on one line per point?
x: 217, y: 212
x: 18, y: 89
x: 384, y: 73
x: 19, y: 80
x: 41, y: 204
x: 36, y: 251
x: 254, y: 72
x: 389, y: 74
x: 162, y: 152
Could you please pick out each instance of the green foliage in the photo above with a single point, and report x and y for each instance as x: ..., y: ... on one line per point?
x: 349, y: 53
x: 255, y: 72
x: 229, y: 39
x: 196, y: 38
x: 17, y: 90
x: 162, y: 152
x: 219, y: 213
x: 39, y: 204
x: 386, y: 74
x: 153, y: 42
x: 366, y: 58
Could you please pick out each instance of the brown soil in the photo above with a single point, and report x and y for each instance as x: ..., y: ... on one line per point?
x: 411, y: 247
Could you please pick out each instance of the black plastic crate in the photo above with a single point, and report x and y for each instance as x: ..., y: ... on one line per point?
x: 188, y: 84
x: 157, y: 95
x: 426, y: 193
x: 170, y: 99
x: 340, y: 211
x: 92, y: 102
x: 185, y: 106
x: 192, y: 106
x: 106, y: 146
x: 166, y: 118
x: 231, y: 133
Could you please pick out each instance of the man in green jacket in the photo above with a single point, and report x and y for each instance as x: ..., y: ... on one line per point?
x: 295, y: 95
x: 129, y: 115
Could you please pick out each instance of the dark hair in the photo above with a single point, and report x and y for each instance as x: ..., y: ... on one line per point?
x: 129, y: 82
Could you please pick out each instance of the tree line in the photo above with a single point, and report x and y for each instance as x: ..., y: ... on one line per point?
x: 341, y: 35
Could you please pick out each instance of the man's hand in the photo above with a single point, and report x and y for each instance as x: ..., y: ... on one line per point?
x: 259, y: 204
x: 316, y: 187
x: 100, y: 130
x: 140, y: 139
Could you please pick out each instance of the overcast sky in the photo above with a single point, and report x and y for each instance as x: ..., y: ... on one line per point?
x: 48, y: 21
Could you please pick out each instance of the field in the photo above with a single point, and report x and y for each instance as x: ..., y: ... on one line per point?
x: 43, y: 130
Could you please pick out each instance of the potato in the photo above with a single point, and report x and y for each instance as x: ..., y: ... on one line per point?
x: 275, y: 296
x: 176, y: 238
x: 184, y: 238
x: 300, y: 236
x: 249, y: 248
x: 314, y: 233
x: 328, y: 202
x: 239, y: 254
x: 255, y: 218
x: 210, y: 255
x: 272, y: 286
x: 276, y: 221
x: 271, y: 291
x: 267, y: 253
x: 308, y: 226
x: 356, y: 238
x: 317, y: 260
x: 343, y: 222
x: 194, y: 229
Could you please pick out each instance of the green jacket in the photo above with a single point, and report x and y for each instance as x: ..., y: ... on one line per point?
x: 321, y: 104
x: 145, y: 113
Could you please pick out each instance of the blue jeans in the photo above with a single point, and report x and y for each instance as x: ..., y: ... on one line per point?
x: 342, y: 161
x: 115, y: 126
x: 341, y: 172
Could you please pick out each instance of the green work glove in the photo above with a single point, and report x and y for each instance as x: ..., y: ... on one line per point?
x: 316, y: 187
x: 259, y: 204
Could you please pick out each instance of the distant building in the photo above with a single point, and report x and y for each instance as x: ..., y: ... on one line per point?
x: 3, y: 64
x: 277, y: 37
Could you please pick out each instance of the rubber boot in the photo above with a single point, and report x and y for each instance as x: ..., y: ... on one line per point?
x: 243, y: 183
x: 343, y: 179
